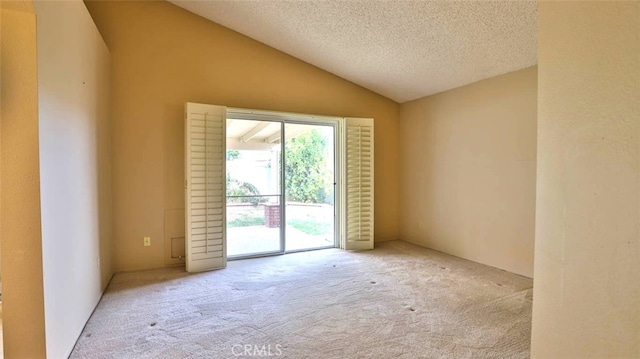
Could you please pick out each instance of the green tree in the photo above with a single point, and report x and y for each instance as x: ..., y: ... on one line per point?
x: 308, y: 179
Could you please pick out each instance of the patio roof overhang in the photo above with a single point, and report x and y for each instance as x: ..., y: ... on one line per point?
x: 260, y: 135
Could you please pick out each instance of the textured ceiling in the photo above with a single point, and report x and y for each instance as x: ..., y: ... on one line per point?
x: 400, y: 49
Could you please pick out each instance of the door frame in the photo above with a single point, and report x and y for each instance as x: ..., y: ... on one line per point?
x: 337, y: 123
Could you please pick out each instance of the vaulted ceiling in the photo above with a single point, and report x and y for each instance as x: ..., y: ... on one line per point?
x: 403, y: 50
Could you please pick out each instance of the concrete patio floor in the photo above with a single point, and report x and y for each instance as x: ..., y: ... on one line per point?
x: 260, y: 239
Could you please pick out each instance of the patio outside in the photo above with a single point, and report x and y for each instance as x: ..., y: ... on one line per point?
x: 308, y: 226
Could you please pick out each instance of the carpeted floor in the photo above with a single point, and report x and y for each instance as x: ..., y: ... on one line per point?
x: 397, y: 301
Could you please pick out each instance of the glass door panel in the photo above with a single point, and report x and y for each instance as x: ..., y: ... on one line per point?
x: 309, y: 179
x: 253, y: 188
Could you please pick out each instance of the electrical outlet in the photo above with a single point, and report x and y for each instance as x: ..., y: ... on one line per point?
x: 147, y: 241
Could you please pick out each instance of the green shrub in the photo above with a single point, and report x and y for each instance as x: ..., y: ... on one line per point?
x: 241, y: 188
x: 308, y: 179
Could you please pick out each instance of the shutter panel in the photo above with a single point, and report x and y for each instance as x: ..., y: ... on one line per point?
x: 205, y: 149
x: 359, y: 184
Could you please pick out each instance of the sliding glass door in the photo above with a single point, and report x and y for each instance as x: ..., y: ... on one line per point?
x: 271, y: 211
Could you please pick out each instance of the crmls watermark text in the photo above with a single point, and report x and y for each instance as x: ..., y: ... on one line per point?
x: 253, y: 350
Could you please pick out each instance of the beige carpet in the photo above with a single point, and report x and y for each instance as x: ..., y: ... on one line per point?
x: 397, y: 301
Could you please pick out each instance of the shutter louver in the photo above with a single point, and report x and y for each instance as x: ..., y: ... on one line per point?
x: 205, y: 160
x: 359, y: 184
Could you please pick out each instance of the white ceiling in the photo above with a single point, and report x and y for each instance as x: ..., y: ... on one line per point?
x: 401, y: 49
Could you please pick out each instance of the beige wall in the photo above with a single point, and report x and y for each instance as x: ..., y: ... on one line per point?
x: 164, y: 56
x: 468, y: 159
x: 20, y: 231
x: 587, y: 266
x: 73, y: 89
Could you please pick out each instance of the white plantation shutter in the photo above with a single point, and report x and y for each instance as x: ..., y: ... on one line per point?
x: 205, y: 158
x: 358, y: 142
